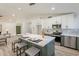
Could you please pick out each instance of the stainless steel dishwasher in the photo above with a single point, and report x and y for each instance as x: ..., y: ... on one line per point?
x: 70, y: 41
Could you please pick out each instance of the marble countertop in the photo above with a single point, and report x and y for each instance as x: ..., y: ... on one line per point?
x: 70, y: 32
x: 67, y: 32
x: 45, y: 40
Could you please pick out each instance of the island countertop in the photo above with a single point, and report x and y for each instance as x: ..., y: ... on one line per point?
x: 45, y: 40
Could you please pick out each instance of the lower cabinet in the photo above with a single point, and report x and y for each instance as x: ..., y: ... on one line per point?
x: 69, y: 41
x: 73, y: 42
x: 78, y: 43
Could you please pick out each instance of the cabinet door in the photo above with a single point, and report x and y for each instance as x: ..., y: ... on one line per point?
x: 73, y: 42
x: 59, y: 19
x: 64, y: 21
x: 68, y: 21
x: 78, y: 43
x: 67, y: 41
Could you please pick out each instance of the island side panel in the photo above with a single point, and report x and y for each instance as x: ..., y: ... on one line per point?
x: 49, y: 49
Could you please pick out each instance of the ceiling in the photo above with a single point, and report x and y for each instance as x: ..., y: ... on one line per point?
x: 24, y: 10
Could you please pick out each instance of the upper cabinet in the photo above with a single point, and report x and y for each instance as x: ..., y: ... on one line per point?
x: 54, y: 20
x: 71, y: 21
x: 68, y: 21
x: 64, y: 21
x: 59, y: 19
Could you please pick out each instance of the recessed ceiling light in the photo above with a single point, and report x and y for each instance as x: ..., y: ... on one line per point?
x: 13, y: 14
x: 53, y: 8
x: 19, y: 8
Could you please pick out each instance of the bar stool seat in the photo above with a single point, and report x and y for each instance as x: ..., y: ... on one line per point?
x: 20, y: 45
x: 33, y: 51
x: 20, y: 48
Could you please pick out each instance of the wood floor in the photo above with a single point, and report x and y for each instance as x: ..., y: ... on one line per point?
x: 63, y: 51
x: 6, y: 50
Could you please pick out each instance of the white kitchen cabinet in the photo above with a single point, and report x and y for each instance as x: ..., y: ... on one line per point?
x: 54, y: 20
x: 67, y: 21
x: 64, y: 21
x: 59, y: 19
x: 70, y: 21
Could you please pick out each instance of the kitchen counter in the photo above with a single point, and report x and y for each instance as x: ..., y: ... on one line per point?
x: 44, y: 41
x: 46, y: 45
x: 70, y: 38
x: 70, y: 32
x: 52, y: 35
x: 65, y: 32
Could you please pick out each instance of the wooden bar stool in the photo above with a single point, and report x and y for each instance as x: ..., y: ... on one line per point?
x: 33, y: 51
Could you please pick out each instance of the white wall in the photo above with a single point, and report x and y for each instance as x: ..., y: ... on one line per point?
x: 10, y: 25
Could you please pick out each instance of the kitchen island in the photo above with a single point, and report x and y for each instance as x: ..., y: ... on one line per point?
x: 46, y: 44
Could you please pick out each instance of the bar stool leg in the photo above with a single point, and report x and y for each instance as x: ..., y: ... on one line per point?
x: 20, y: 51
x: 17, y: 51
x: 12, y: 46
x: 6, y: 41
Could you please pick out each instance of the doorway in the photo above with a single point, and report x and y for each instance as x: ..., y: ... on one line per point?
x: 18, y: 29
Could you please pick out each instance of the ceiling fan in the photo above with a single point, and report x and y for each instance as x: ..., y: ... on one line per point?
x: 31, y: 4
x: 1, y: 16
x: 49, y: 16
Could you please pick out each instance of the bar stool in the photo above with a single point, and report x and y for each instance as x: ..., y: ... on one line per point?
x: 33, y: 51
x: 18, y: 46
x: 13, y: 45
